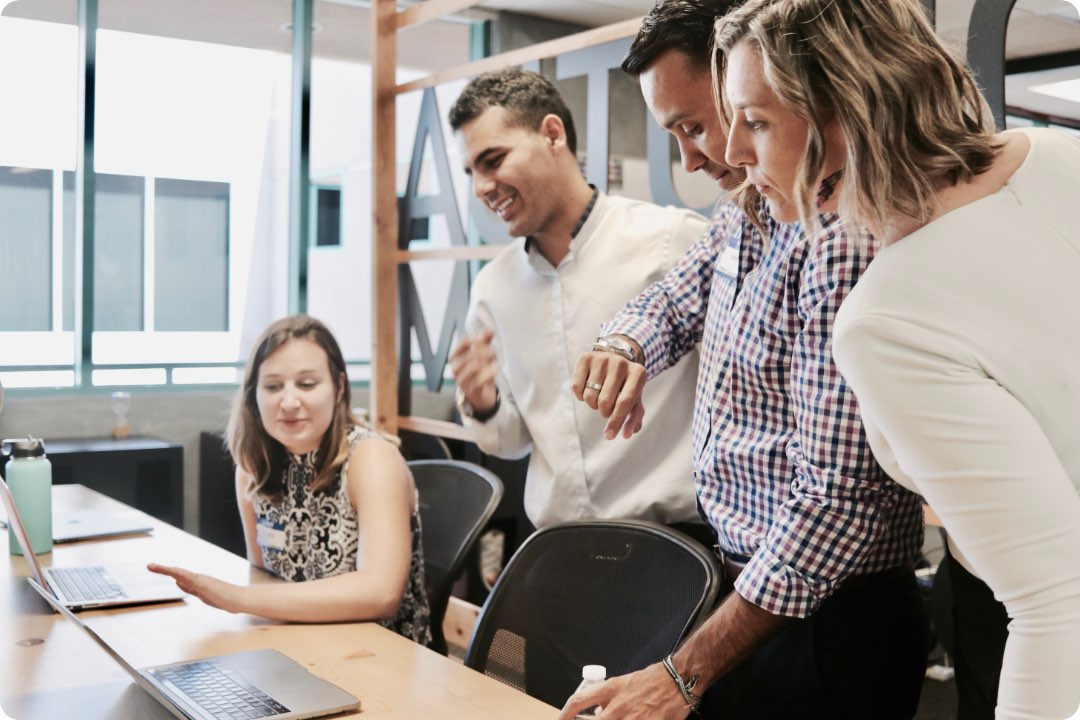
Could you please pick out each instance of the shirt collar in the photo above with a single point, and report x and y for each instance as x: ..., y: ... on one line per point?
x: 581, y: 221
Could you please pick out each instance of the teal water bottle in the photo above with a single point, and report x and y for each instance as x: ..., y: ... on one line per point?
x: 29, y: 475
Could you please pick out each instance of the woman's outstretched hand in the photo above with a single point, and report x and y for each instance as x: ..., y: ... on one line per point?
x: 213, y: 592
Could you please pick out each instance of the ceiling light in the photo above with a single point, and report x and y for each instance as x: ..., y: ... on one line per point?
x: 1064, y: 90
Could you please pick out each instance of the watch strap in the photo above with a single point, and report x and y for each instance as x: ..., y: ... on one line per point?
x: 481, y: 416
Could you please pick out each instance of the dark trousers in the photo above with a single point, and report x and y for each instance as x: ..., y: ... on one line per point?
x: 860, y: 656
x: 698, y: 531
x: 980, y: 629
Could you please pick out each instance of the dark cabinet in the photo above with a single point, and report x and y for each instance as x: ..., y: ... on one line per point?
x: 143, y: 472
x: 219, y: 517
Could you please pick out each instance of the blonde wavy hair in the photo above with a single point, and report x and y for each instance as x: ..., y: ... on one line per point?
x: 252, y: 447
x: 912, y: 116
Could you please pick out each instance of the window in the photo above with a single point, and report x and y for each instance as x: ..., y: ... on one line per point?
x: 191, y: 148
x: 118, y: 252
x: 26, y: 250
x: 327, y: 214
x: 191, y: 256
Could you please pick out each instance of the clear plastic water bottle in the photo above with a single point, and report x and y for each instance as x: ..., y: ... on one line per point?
x: 29, y: 476
x: 590, y: 675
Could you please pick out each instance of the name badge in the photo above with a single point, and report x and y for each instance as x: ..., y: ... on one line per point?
x: 729, y: 261
x: 270, y: 535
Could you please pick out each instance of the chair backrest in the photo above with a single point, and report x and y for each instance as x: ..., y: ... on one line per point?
x: 618, y: 593
x: 456, y: 500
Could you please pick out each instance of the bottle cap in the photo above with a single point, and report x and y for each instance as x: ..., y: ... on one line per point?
x: 594, y: 672
x: 27, y: 447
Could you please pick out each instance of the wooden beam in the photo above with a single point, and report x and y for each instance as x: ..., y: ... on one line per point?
x: 431, y: 10
x: 471, y: 252
x: 440, y: 428
x: 384, y: 285
x: 551, y: 48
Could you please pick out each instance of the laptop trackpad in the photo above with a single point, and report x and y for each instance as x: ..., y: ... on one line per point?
x: 287, y: 681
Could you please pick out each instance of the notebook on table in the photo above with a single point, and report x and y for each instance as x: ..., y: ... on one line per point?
x: 80, y: 588
x: 228, y: 687
x: 75, y: 525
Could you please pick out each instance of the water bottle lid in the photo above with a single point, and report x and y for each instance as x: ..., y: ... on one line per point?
x: 594, y: 672
x: 27, y: 447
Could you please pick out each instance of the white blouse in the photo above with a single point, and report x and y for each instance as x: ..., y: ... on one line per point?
x: 962, y: 344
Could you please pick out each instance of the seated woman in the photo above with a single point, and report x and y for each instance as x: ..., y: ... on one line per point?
x: 326, y: 503
x: 961, y: 340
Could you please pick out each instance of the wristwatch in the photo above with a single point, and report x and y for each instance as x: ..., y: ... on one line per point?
x: 620, y: 346
x: 469, y: 411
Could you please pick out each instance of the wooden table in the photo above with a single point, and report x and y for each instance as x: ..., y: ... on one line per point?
x: 52, y: 669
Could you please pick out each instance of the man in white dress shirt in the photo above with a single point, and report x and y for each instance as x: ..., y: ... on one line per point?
x: 579, y: 256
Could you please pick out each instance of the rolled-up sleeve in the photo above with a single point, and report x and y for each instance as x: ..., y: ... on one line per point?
x: 667, y: 319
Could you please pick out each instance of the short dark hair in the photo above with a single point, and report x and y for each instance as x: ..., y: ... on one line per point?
x: 683, y: 25
x: 528, y: 97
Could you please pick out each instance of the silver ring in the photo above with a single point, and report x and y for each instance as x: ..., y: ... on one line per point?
x: 594, y: 386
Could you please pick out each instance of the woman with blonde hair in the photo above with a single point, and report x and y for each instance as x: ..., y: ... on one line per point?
x: 326, y: 503
x: 961, y: 339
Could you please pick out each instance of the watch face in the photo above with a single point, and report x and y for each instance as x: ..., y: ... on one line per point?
x: 463, y: 404
x: 618, y: 345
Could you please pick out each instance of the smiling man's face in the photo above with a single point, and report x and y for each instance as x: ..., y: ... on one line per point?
x: 513, y: 170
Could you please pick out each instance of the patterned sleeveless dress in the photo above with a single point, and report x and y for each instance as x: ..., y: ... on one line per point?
x: 321, y: 538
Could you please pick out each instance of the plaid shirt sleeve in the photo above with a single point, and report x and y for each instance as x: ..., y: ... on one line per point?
x: 667, y: 318
x: 830, y: 525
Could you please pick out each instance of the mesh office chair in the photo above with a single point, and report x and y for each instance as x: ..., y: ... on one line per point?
x: 616, y: 593
x: 421, y: 446
x: 456, y: 501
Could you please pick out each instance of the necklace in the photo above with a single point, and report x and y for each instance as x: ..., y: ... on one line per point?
x: 828, y: 187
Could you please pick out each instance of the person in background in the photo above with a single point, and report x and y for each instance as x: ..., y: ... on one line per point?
x: 961, y: 340
x: 326, y: 504
x: 825, y: 620
x: 580, y: 254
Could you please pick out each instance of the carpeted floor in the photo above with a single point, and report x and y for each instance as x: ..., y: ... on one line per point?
x: 938, y: 701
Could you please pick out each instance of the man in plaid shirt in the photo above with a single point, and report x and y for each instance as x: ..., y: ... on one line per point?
x: 825, y: 620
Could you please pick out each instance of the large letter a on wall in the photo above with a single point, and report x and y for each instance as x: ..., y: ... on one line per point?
x: 413, y: 208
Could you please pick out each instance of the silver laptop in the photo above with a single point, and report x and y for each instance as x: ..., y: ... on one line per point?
x: 229, y: 686
x: 76, y: 525
x: 80, y: 588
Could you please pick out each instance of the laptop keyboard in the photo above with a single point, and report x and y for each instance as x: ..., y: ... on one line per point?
x: 220, y: 691
x: 86, y: 583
